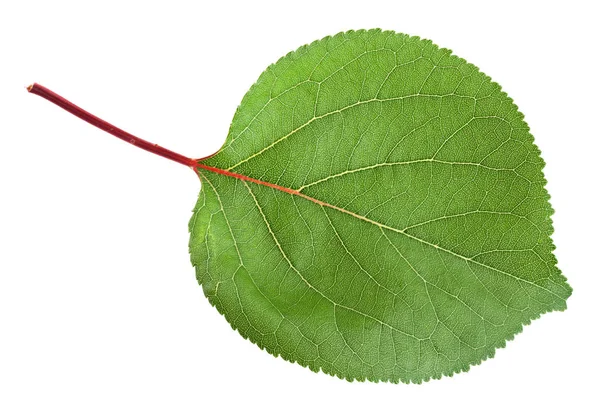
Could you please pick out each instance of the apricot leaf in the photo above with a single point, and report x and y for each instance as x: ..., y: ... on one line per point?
x: 377, y: 211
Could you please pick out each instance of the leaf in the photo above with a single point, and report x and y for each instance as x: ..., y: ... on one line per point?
x: 377, y: 212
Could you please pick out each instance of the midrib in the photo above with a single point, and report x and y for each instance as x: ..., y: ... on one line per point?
x: 363, y: 218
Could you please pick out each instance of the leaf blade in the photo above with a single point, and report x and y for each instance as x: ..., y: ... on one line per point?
x: 403, y: 229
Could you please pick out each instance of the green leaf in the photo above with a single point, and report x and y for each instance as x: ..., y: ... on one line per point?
x: 377, y: 212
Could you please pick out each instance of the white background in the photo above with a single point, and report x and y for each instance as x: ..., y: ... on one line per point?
x: 99, y: 306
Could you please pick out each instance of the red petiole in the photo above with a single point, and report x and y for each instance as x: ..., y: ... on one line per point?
x: 46, y: 93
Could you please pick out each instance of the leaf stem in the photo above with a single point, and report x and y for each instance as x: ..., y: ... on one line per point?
x: 56, y: 99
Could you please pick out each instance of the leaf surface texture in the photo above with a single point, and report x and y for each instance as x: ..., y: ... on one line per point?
x: 386, y: 218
